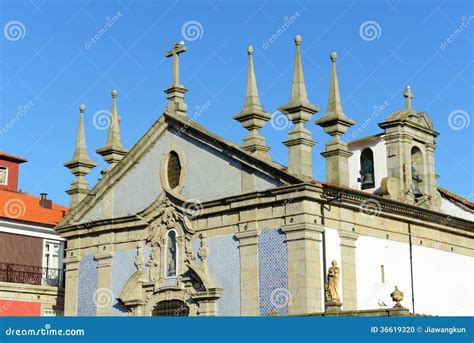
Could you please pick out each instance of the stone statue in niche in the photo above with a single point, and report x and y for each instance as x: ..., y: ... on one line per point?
x: 139, y: 258
x: 332, y: 286
x: 171, y: 254
x: 153, y: 263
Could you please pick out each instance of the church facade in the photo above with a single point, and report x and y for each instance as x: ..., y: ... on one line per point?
x: 188, y: 223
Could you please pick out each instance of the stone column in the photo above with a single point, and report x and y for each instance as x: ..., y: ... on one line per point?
x: 249, y: 290
x: 304, y: 267
x: 104, y: 295
x: 348, y: 267
x: 71, y: 284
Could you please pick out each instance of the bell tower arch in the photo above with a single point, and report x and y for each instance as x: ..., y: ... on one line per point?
x: 410, y: 140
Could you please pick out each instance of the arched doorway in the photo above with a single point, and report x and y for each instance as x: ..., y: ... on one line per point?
x: 171, y: 308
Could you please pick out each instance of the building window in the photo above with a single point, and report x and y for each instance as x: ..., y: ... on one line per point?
x: 53, y: 313
x: 171, y: 259
x: 367, y: 174
x: 51, y: 254
x: 174, y: 169
x: 171, y: 308
x: 3, y: 175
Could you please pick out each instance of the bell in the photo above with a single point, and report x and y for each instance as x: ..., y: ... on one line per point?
x: 367, y: 180
x: 416, y: 190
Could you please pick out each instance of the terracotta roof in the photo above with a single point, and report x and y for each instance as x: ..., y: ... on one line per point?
x: 5, y: 156
x: 452, y: 196
x: 25, y: 207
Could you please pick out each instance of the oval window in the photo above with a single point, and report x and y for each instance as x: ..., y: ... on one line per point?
x: 174, y: 169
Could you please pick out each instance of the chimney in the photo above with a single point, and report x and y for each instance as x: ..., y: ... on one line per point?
x: 46, y: 203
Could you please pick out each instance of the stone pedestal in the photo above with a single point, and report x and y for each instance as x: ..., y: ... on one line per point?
x: 337, y: 162
x: 249, y: 291
x: 304, y: 267
x: 348, y: 267
x: 333, y: 307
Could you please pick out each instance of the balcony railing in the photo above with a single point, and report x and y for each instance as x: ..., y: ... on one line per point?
x: 31, y: 275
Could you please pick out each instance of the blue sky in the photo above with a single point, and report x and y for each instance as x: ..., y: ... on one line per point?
x: 48, y: 66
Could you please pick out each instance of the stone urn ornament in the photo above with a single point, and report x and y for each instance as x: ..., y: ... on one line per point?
x: 397, y: 296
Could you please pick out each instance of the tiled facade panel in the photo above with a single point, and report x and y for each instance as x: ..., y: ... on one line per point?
x: 223, y: 264
x: 210, y: 174
x: 273, y: 272
x: 123, y: 267
x: 224, y: 268
x: 87, y: 286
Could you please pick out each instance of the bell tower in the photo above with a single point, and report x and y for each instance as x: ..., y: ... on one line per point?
x: 411, y: 141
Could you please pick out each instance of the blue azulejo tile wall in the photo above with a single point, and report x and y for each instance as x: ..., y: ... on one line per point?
x: 273, y: 272
x: 223, y: 265
x: 123, y: 267
x: 87, y: 286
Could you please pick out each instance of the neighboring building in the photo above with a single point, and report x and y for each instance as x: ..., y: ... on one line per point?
x: 188, y: 223
x: 31, y: 252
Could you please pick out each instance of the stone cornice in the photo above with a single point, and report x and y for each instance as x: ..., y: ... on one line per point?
x: 349, y: 196
x: 313, y: 192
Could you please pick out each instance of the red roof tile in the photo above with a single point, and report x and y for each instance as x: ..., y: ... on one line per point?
x: 5, y: 156
x: 25, y: 207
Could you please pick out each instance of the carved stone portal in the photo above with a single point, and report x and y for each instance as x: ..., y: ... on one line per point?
x: 173, y: 276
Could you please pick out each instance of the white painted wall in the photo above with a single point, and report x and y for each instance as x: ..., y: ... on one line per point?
x: 371, y: 254
x: 443, y: 281
x: 454, y: 210
x: 380, y: 163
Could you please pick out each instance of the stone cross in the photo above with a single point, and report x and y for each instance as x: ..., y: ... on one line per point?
x: 177, y: 49
x: 408, y: 96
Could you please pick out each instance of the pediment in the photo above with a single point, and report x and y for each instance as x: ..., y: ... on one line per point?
x: 211, y: 169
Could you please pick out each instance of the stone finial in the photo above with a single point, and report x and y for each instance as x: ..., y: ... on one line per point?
x: 334, y: 122
x: 176, y: 90
x: 408, y: 95
x: 253, y: 117
x: 113, y: 151
x: 299, y: 110
x: 397, y: 297
x: 80, y: 164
